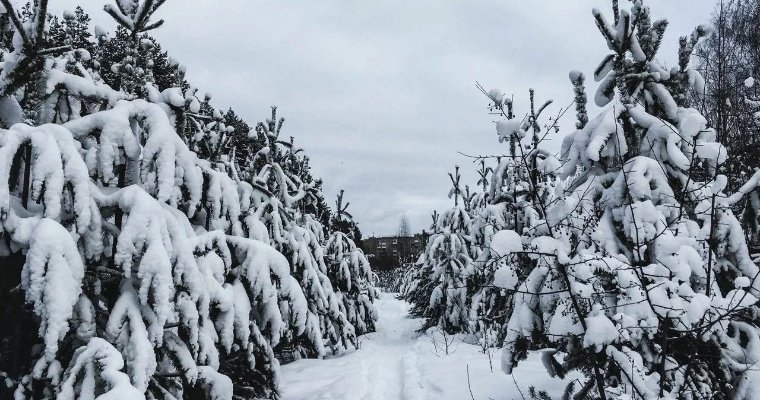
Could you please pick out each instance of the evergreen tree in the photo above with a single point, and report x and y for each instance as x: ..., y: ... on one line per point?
x: 441, y: 286
x: 274, y: 216
x: 448, y: 254
x: 350, y: 272
x: 510, y: 204
x: 641, y: 274
x: 342, y: 221
x: 417, y: 285
x: 241, y: 142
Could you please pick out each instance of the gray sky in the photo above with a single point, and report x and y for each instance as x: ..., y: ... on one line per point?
x: 381, y: 94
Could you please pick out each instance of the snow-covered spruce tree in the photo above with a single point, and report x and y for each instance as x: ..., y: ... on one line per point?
x: 240, y: 142
x: 342, y: 221
x: 444, y: 285
x: 350, y: 273
x: 274, y: 216
x: 467, y: 288
x: 133, y: 54
x: 205, y: 132
x: 642, y: 276
x: 71, y: 30
x: 55, y: 78
x: 521, y: 187
x: 416, y: 285
x: 123, y: 249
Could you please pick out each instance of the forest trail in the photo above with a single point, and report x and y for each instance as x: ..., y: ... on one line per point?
x: 385, y: 367
x: 399, y: 363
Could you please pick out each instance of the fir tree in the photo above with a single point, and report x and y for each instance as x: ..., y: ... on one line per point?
x: 350, y: 273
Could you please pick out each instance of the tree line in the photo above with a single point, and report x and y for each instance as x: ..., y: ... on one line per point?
x: 625, y: 256
x: 154, y: 246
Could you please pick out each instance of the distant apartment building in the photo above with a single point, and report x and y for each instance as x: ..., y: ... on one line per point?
x: 392, y: 251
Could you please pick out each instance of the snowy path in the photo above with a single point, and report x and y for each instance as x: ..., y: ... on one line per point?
x: 384, y: 368
x: 397, y: 363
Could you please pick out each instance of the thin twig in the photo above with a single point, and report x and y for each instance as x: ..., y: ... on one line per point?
x: 469, y: 386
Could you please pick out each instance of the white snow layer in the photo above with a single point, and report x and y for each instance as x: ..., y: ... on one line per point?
x: 398, y: 363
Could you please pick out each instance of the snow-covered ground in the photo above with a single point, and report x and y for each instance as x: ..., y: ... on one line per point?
x: 398, y: 363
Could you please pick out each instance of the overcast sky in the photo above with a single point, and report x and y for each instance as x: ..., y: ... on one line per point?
x: 381, y: 94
